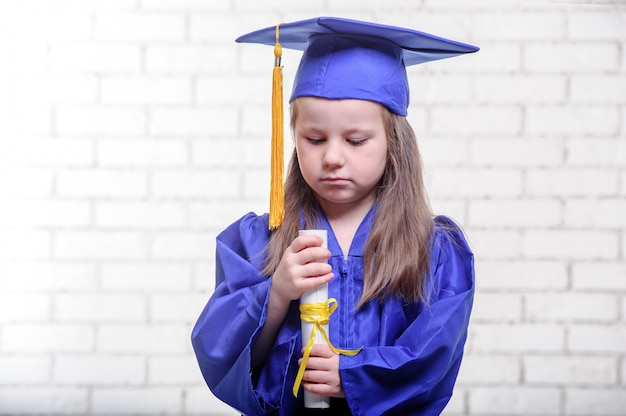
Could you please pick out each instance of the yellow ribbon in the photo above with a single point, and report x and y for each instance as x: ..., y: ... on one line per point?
x: 318, y: 314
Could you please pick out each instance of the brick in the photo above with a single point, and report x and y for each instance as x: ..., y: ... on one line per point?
x: 139, y: 27
x: 572, y: 120
x: 140, y: 215
x: 29, y: 119
x: 40, y: 27
x: 52, y: 337
x: 24, y: 370
x: 430, y: 89
x: 571, y: 307
x: 47, y: 276
x: 449, y: 182
x: 44, y: 400
x: 569, y: 244
x: 184, y: 5
x: 499, y: 338
x: 192, y: 59
x: 147, y: 401
x: 151, y: 90
x: 596, y: 152
x: 173, y: 371
x: 497, y: 244
x: 100, y: 121
x: 497, y: 307
x: 599, y: 276
x: 601, y: 25
x: 46, y: 152
x: 142, y: 153
x: 481, y: 369
x: 569, y: 371
x: 85, y: 57
x: 102, y: 183
x: 24, y: 307
x: 193, y: 122
x: 215, y: 215
x: 78, y: 308
x: 486, y: 121
x: 25, y: 244
x: 516, y: 400
x: 176, y: 308
x: 142, y: 277
x: 519, y: 26
x: 516, y: 213
x: 230, y: 153
x: 596, y: 213
x: 101, y: 245
x: 572, y: 182
x: 453, y: 208
x: 198, y: 399
x: 202, y: 26
x: 44, y: 213
x: 595, y: 401
x: 256, y: 183
x: 601, y: 89
x: 34, y: 182
x: 200, y: 184
x: 183, y: 246
x: 516, y: 152
x: 522, y: 275
x: 143, y: 339
x: 57, y: 88
x: 233, y: 90
x: 562, y: 57
x: 513, y: 89
x: 608, y: 339
x: 100, y: 370
x: 444, y: 152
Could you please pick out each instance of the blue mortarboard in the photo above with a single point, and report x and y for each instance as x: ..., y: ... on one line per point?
x: 346, y: 58
x: 342, y: 59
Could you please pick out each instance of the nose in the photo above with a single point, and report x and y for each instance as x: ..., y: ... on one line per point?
x: 334, y: 154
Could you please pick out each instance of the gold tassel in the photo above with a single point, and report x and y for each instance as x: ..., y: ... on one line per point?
x: 277, y: 191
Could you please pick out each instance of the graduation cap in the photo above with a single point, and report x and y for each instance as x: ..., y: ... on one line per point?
x: 342, y: 59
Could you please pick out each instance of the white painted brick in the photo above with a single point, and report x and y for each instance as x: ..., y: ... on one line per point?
x: 485, y: 121
x: 191, y: 59
x: 140, y: 215
x: 430, y: 89
x: 83, y: 307
x: 595, y: 213
x: 136, y: 401
x: 138, y: 152
x: 457, y: 403
x: 216, y: 215
x: 193, y: 122
x: 33, y: 182
x: 596, y: 276
x: 516, y: 152
x: 85, y: 57
x: 282, y: 5
x: 99, y: 370
x: 601, y: 89
x: 234, y: 89
x: 47, y: 276
x: 100, y: 121
x: 441, y: 152
x: 481, y: 369
x: 139, y: 27
x: 521, y: 275
x: 570, y: 371
x: 186, y: 5
x: 29, y: 119
x: 596, y: 152
x: 572, y: 182
x: 522, y: 338
x: 189, y: 184
x: 41, y: 27
x: 572, y: 120
x: 175, y: 308
x: 77, y: 5
x: 231, y: 25
x: 45, y: 213
x: 595, y: 401
x: 183, y: 246
x: 497, y: 244
x: 24, y: 307
x: 50, y: 152
x: 174, y: 371
x: 145, y: 277
x: 25, y: 244
x: 44, y: 400
x: 453, y: 208
x: 513, y: 89
x: 57, y: 88
x: 35, y: 338
x: 231, y: 153
x: 100, y: 245
x: 516, y: 26
x: 24, y: 370
x: 257, y: 122
x: 596, y: 25
x: 495, y: 58
x: 514, y: 213
x: 563, y: 57
x: 143, y: 339
x: 497, y: 307
x: 474, y: 182
x: 198, y: 400
x: 102, y: 183
x: 154, y: 90
x: 547, y: 244
x: 571, y: 307
x: 256, y: 183
x: 523, y: 401
x: 597, y: 339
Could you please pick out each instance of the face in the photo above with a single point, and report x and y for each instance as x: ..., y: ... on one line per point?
x: 342, y: 150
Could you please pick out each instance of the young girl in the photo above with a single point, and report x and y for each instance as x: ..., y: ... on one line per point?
x: 402, y: 280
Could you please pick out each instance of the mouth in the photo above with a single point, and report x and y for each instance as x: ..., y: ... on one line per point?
x: 335, y: 180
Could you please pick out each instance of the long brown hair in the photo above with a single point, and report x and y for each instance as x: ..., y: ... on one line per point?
x: 397, y: 249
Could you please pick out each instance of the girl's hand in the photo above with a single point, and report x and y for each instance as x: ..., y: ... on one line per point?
x: 299, y: 270
x: 322, y: 372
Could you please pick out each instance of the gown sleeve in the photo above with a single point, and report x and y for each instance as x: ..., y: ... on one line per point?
x: 230, y: 322
x: 416, y: 375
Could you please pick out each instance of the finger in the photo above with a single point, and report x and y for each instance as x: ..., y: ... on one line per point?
x: 322, y: 351
x: 304, y: 241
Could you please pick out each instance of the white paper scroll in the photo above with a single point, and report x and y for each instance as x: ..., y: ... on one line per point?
x: 317, y: 295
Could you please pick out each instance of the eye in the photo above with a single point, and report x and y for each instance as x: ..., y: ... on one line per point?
x: 315, y: 140
x: 357, y: 141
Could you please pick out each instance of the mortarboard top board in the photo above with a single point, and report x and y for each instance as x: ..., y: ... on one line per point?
x: 345, y: 59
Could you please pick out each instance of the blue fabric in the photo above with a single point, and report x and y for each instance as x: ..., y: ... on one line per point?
x: 411, y: 354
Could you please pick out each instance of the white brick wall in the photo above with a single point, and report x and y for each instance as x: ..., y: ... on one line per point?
x: 133, y: 131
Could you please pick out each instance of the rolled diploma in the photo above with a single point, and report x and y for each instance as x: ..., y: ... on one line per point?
x: 317, y: 295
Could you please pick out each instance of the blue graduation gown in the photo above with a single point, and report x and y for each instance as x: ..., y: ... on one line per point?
x: 411, y: 352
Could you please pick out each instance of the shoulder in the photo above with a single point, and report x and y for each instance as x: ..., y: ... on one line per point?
x: 247, y: 237
x: 446, y: 232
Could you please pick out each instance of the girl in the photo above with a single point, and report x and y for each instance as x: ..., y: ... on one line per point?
x: 402, y: 279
